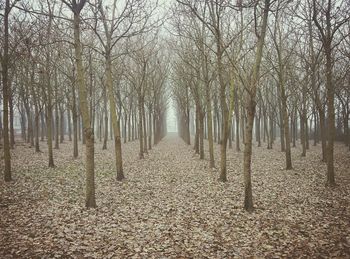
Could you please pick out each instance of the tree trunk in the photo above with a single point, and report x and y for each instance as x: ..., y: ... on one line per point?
x: 238, y: 146
x: 145, y: 147
x: 43, y: 130
x: 285, y: 125
x: 1, y: 129
x: 69, y: 125
x: 215, y: 127
x: 105, y: 113
x: 243, y: 121
x: 271, y: 129
x: 49, y: 99
x: 62, y: 126
x: 75, y: 124
x: 201, y: 135
x: 49, y: 130
x: 150, y: 128
x: 281, y: 120
x: 258, y: 138
x: 133, y: 126
x: 225, y: 116
x: 23, y: 124
x: 307, y: 143
x: 218, y: 126
x: 140, y: 127
x: 196, y: 139
x: 12, y: 131
x: 36, y: 123
x: 125, y: 126
x: 302, y: 134
x: 90, y: 201
x: 230, y: 136
x: 115, y: 120
x: 29, y: 123
x: 315, y: 128
x: 6, y: 92
x: 210, y: 129
x: 129, y: 124
x: 57, y: 122
x: 294, y: 128
x: 248, y: 195
x: 331, y: 115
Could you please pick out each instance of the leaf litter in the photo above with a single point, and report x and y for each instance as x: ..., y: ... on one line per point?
x: 172, y: 206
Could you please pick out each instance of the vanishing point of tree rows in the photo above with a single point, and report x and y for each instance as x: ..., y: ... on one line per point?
x: 248, y: 72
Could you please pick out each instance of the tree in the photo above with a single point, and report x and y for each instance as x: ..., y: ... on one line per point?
x: 76, y: 7
x: 336, y: 15
x: 250, y: 108
x: 5, y: 59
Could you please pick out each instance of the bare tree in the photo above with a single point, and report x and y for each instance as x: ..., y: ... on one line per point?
x: 76, y: 8
x: 250, y: 107
x: 336, y: 14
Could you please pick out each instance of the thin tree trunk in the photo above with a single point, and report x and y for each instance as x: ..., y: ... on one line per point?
x: 6, y: 91
x: 105, y: 112
x: 315, y: 128
x: 201, y: 135
x: 258, y: 118
x: 75, y: 124
x: 57, y: 118
x: 218, y: 126
x: 210, y: 129
x: 49, y: 100
x: 90, y: 201
x: 129, y: 126
x: 36, y: 123
x: 145, y: 147
x: 238, y: 146
x: 12, y: 131
x: 49, y: 131
x: 331, y: 115
x: 302, y: 134
x: 69, y: 125
x: 62, y: 126
x: 248, y: 195
x: 140, y: 127
x: 115, y: 119
x: 150, y: 128
x: 225, y: 115
x: 196, y: 139
x: 43, y: 126
x: 286, y: 126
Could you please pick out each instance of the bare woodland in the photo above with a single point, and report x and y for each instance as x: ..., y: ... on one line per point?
x: 254, y: 163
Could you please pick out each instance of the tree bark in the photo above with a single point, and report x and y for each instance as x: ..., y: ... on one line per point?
x: 90, y: 201
x: 69, y: 125
x: 201, y: 135
x: 248, y: 195
x: 141, y: 155
x: 12, y: 131
x: 105, y: 112
x: 75, y: 123
x: 238, y: 145
x: 150, y: 128
x: 6, y: 91
x: 210, y: 129
x: 62, y: 126
x: 115, y: 120
x: 285, y: 124
x: 145, y: 147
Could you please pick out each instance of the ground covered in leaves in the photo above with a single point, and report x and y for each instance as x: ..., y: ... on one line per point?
x: 172, y: 206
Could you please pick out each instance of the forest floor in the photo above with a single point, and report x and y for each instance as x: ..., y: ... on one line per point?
x: 172, y: 206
